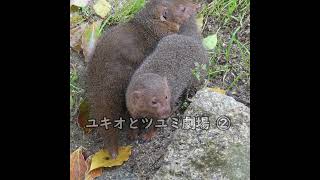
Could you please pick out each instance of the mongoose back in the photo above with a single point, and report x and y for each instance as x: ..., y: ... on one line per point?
x: 170, y: 65
x: 120, y: 51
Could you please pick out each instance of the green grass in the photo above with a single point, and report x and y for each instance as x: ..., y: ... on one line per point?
x: 122, y: 13
x: 230, y: 16
x: 75, y: 91
x: 225, y: 10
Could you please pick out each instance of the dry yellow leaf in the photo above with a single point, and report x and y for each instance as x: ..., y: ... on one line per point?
x: 90, y: 175
x: 74, y: 8
x: 75, y: 37
x: 103, y: 158
x: 83, y: 117
x: 75, y: 19
x: 217, y: 90
x: 199, y: 22
x: 102, y: 8
x: 93, y: 174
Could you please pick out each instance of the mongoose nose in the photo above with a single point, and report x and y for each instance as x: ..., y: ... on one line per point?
x: 167, y: 112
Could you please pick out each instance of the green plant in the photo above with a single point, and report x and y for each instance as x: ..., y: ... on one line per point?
x: 124, y: 13
x: 75, y: 91
x: 230, y: 60
x: 196, y: 72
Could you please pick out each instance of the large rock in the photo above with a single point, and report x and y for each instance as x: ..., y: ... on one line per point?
x: 212, y: 153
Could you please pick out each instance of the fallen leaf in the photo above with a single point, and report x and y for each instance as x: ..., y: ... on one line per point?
x: 79, y: 3
x: 102, y: 8
x: 103, y: 158
x: 90, y: 175
x: 84, y: 116
x: 199, y: 22
x: 75, y: 19
x: 93, y: 174
x: 217, y: 90
x: 74, y: 9
x: 75, y: 37
x: 78, y: 165
x: 89, y: 39
x: 210, y: 42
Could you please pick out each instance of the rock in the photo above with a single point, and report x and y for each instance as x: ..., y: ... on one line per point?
x: 213, y: 153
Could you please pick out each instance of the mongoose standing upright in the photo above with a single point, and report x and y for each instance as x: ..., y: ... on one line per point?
x: 165, y: 74
x: 120, y: 51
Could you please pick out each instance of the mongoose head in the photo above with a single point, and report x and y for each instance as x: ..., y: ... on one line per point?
x: 149, y: 96
x: 169, y: 15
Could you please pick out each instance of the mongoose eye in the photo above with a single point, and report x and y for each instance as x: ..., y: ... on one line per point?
x: 166, y: 97
x: 154, y: 102
x: 164, y: 16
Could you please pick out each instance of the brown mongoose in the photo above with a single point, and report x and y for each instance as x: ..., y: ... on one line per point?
x: 120, y: 51
x: 164, y: 75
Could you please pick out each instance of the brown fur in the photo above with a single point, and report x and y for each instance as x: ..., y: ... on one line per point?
x: 173, y: 59
x: 118, y: 54
x: 149, y: 97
